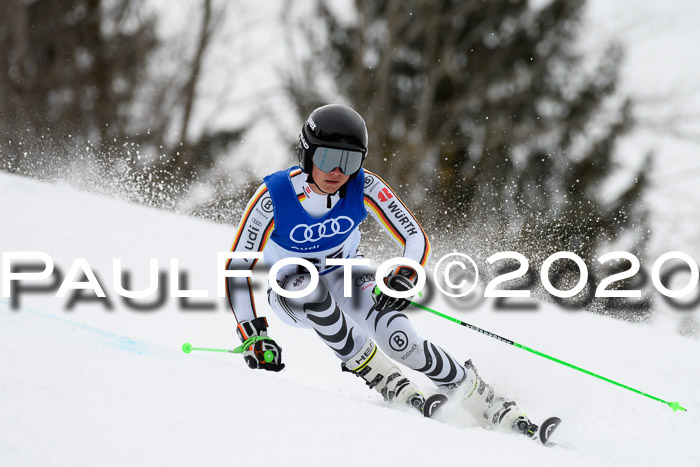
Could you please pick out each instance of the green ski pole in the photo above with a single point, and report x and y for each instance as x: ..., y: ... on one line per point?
x: 268, y: 355
x: 674, y: 405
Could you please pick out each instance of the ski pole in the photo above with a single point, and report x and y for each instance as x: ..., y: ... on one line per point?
x: 674, y: 405
x: 268, y: 355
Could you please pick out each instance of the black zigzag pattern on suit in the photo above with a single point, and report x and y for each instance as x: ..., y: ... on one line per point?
x: 438, y: 356
x: 338, y: 336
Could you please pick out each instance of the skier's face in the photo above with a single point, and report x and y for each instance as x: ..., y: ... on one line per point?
x: 329, y: 182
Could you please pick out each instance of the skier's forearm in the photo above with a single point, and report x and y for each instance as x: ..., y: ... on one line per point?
x: 240, y: 298
x: 253, y: 231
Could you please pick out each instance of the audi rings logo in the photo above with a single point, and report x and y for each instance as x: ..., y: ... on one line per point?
x: 363, y: 279
x: 303, y: 233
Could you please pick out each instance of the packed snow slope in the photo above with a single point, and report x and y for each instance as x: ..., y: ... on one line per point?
x: 93, y: 385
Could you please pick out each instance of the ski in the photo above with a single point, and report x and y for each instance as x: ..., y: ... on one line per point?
x: 540, y: 433
x: 545, y: 430
x: 432, y: 404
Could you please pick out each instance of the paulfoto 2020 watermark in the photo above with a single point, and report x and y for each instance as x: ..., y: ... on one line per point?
x: 456, y: 275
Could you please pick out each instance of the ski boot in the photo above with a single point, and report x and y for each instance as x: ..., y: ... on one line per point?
x: 492, y: 411
x: 382, y: 374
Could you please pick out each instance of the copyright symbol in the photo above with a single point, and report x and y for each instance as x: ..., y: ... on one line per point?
x: 458, y: 272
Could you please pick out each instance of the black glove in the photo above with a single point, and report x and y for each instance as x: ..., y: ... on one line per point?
x: 253, y: 334
x: 400, y: 279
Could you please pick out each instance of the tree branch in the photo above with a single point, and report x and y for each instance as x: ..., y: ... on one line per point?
x: 191, y: 85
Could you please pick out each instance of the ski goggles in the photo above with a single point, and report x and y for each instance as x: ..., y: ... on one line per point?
x: 328, y: 159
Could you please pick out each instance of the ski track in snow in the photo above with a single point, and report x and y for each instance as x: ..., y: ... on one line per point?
x: 112, y: 387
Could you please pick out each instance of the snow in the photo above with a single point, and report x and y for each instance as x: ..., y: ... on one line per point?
x: 93, y: 386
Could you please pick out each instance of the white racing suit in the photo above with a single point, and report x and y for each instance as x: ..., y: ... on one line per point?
x: 284, y: 219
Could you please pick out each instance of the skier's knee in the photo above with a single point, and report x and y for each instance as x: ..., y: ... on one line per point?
x: 318, y: 300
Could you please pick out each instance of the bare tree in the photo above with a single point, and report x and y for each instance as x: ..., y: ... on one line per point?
x: 70, y: 81
x: 81, y: 86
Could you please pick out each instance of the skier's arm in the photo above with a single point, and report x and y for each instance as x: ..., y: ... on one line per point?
x: 390, y: 212
x: 253, y: 232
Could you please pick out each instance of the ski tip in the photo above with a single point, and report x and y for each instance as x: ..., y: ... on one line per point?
x: 432, y: 403
x: 187, y: 347
x: 677, y: 406
x: 547, y: 428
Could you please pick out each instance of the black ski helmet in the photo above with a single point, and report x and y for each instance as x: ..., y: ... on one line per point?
x: 335, y: 126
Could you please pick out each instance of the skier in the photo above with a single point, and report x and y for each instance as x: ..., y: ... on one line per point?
x: 313, y: 212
